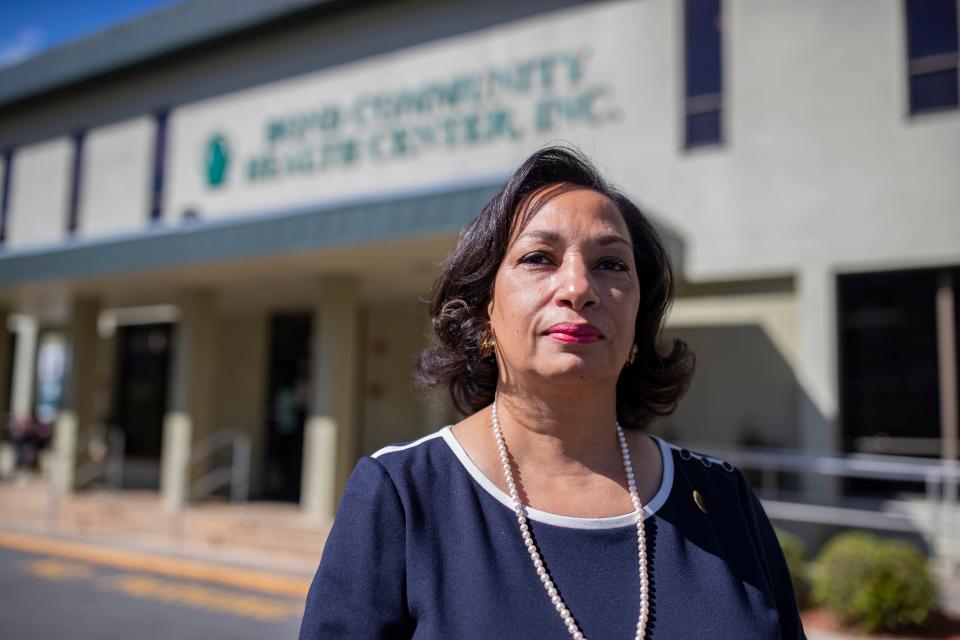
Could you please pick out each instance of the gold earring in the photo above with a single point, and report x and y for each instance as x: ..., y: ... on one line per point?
x: 486, y: 343
x: 633, y: 354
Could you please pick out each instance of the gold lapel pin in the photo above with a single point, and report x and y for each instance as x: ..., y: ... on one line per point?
x: 700, y: 502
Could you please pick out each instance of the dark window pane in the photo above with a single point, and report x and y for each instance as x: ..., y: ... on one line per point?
x: 889, y: 377
x: 931, y: 27
x: 889, y: 352
x: 76, y: 178
x: 702, y: 40
x: 937, y: 90
x: 889, y: 386
x: 5, y: 193
x: 703, y: 128
x: 159, y: 159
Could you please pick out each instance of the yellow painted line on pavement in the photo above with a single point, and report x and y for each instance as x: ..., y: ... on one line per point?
x: 177, y: 567
x: 200, y: 597
x: 58, y: 570
x: 176, y: 592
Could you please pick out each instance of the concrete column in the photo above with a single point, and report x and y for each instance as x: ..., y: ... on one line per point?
x: 190, y: 414
x: 817, y: 369
x: 7, y: 454
x: 5, y: 345
x: 24, y: 367
x: 21, y: 379
x: 330, y: 441
x: 947, y: 369
x: 75, y: 419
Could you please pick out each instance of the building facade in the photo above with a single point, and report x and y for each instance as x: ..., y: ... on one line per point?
x: 228, y: 223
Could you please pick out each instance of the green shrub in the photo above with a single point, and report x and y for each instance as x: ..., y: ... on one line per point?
x: 794, y: 551
x: 874, y: 584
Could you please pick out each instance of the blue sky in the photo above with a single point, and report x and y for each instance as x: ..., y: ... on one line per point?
x: 28, y: 27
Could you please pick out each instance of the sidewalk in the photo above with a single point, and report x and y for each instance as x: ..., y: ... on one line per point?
x: 273, y: 538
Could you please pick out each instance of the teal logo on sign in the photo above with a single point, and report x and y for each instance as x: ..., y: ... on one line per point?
x: 217, y: 160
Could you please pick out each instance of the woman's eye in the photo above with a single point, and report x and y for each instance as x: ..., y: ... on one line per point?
x: 613, y: 264
x: 535, y: 258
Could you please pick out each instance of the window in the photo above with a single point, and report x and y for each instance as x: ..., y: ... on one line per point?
x: 159, y: 158
x: 5, y: 193
x: 703, y: 67
x: 932, y: 54
x: 890, y: 343
x: 73, y: 209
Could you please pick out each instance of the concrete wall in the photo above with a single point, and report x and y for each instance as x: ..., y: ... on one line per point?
x: 390, y: 409
x: 39, y: 190
x: 242, y: 385
x: 824, y: 164
x: 3, y: 169
x: 818, y: 167
x: 743, y: 392
x: 117, y: 178
x: 821, y: 163
x: 745, y: 389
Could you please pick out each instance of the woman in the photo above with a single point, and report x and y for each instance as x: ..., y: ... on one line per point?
x: 522, y: 521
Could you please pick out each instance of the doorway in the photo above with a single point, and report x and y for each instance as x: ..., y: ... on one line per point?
x: 287, y: 405
x: 140, y: 404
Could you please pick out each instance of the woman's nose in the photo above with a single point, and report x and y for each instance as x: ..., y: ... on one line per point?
x: 575, y: 286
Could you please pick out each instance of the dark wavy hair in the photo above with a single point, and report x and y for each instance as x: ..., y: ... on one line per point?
x: 660, y: 374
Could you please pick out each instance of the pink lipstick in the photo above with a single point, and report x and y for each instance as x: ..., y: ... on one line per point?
x: 574, y: 333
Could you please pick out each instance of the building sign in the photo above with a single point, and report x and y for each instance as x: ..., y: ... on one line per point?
x: 467, y: 106
x: 538, y: 95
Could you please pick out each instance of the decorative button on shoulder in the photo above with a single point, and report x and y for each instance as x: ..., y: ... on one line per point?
x: 706, y: 461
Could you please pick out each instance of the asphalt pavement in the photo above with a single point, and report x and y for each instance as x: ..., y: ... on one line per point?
x: 52, y: 596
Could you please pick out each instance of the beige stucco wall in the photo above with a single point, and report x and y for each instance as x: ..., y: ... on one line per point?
x: 745, y: 388
x: 3, y: 170
x: 242, y: 383
x: 391, y: 410
x: 117, y: 178
x: 39, y: 190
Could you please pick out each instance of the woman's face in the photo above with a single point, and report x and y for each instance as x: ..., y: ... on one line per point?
x: 566, y: 295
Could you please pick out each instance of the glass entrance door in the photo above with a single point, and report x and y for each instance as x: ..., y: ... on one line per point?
x: 287, y: 403
x: 143, y: 369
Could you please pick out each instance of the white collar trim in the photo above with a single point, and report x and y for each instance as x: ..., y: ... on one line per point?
x: 557, y: 520
x: 400, y: 447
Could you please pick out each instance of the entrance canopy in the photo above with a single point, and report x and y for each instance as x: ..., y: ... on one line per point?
x: 197, y: 243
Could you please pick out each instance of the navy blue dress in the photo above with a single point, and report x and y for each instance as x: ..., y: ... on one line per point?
x: 425, y: 546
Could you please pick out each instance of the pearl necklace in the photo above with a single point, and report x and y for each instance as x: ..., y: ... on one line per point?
x: 548, y: 585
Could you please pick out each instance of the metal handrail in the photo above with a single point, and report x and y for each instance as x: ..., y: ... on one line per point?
x: 237, y: 474
x: 940, y: 478
x: 861, y: 465
x: 111, y: 467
